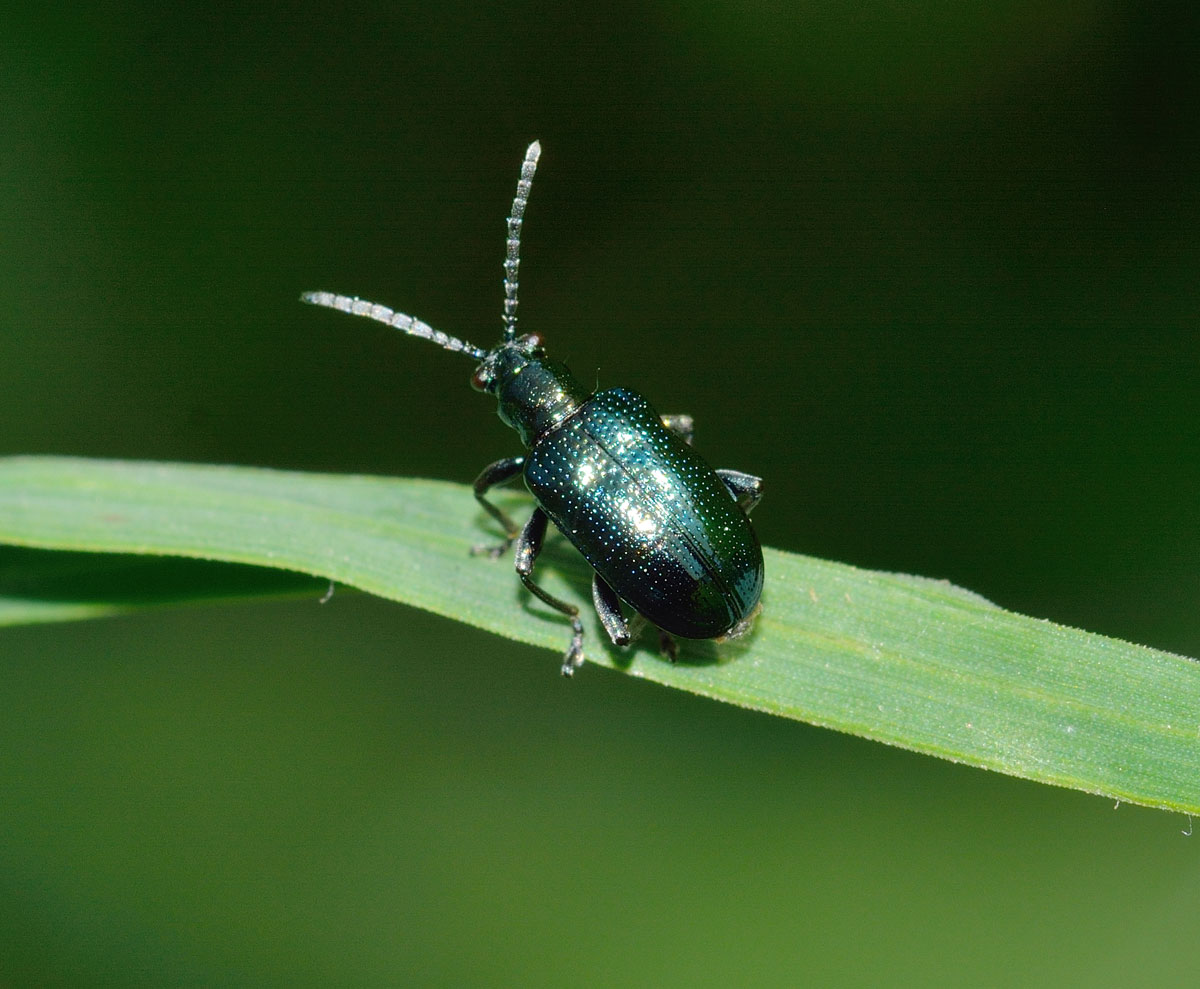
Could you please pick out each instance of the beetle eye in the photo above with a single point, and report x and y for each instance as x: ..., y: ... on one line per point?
x: 534, y: 341
x: 481, y: 378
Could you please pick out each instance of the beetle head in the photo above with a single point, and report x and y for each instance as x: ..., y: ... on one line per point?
x: 506, y: 360
x: 533, y: 394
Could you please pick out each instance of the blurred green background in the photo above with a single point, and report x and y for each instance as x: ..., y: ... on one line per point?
x: 931, y: 270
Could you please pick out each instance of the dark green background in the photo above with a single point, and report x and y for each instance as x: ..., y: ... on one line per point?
x: 931, y: 270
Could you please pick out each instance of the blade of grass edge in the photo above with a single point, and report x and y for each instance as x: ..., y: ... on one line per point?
x: 40, y: 586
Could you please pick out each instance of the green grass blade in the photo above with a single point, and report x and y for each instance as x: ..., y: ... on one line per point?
x: 904, y: 660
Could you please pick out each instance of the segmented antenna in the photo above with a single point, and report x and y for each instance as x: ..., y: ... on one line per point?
x: 396, y: 320
x: 512, y: 260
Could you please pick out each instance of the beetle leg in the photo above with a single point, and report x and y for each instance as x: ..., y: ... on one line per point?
x: 497, y: 473
x: 745, y: 488
x: 620, y: 631
x: 682, y: 424
x: 608, y: 607
x: 529, y: 545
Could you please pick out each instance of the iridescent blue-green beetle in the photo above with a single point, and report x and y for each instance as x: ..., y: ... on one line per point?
x: 663, y: 531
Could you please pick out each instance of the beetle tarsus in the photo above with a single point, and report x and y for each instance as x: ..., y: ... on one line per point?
x: 608, y: 607
x: 574, y: 657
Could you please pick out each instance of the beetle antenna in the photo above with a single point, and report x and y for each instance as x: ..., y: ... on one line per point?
x: 512, y: 257
x: 396, y: 320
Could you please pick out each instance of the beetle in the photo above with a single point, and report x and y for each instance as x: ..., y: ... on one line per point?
x: 662, y: 531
